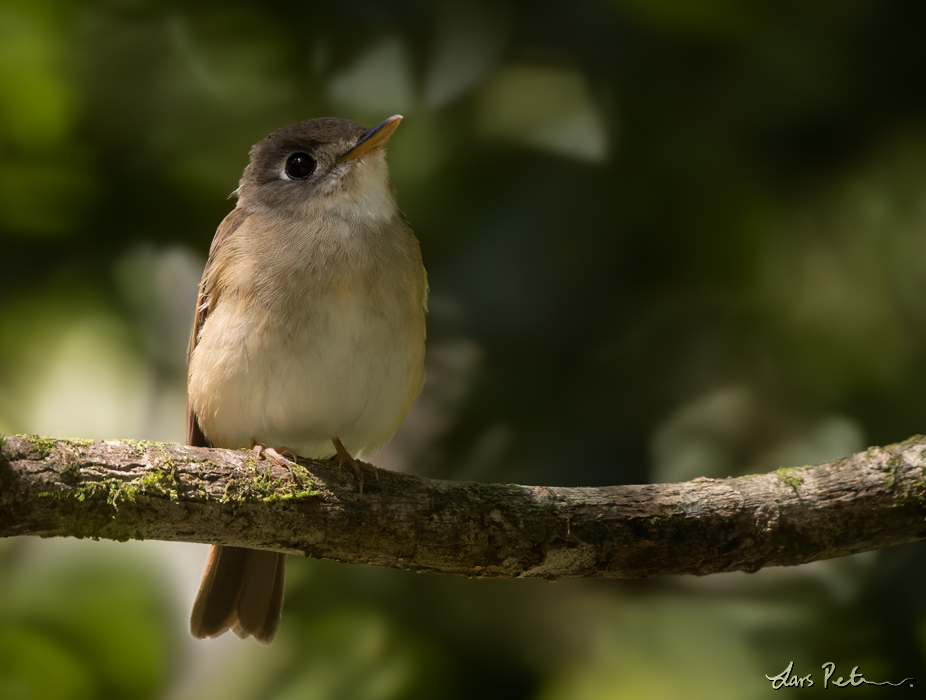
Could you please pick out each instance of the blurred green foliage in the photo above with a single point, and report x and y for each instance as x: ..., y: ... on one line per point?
x: 664, y: 239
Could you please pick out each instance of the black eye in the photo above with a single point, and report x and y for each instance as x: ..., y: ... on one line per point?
x: 299, y: 166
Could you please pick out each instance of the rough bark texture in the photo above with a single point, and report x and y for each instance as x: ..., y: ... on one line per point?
x: 140, y: 490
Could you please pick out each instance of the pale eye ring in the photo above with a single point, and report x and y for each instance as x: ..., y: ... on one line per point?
x: 299, y: 166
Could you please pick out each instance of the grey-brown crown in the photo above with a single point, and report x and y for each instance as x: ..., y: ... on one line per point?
x: 324, y: 140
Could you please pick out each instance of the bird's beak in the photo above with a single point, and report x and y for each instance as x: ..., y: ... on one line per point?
x: 373, y: 139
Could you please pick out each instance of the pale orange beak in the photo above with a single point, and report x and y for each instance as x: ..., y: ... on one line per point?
x: 374, y: 138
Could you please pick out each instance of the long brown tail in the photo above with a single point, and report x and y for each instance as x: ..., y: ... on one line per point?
x: 241, y: 590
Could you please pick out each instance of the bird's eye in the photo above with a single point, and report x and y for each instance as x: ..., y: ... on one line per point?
x: 299, y: 166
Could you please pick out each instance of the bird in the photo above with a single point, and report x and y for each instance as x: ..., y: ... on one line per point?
x: 309, y: 331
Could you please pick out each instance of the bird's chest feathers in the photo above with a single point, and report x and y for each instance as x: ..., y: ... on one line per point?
x: 338, y: 301
x: 303, y: 352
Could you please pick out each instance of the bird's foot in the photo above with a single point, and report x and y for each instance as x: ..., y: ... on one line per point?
x: 345, y: 457
x: 277, y: 455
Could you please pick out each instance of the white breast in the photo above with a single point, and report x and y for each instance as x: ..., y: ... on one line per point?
x: 299, y: 353
x: 347, y: 372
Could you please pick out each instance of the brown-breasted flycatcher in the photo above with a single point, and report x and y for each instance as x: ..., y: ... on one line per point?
x: 309, y: 331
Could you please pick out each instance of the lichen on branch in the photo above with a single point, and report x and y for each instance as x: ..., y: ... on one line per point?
x: 122, y: 489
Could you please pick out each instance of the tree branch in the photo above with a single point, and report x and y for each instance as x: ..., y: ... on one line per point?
x: 141, y: 490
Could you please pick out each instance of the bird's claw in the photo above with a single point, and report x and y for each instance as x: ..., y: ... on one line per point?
x: 345, y: 457
x: 277, y: 455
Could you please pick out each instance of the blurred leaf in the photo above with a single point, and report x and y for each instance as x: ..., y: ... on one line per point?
x: 662, y: 648
x: 378, y: 83
x: 99, y: 625
x: 36, y: 98
x: 36, y: 666
x: 468, y: 43
x: 549, y: 108
x: 45, y: 194
x: 46, y: 184
x: 706, y: 18
x: 354, y: 654
x: 836, y: 274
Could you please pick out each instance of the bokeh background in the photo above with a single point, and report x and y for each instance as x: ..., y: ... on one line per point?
x: 665, y: 239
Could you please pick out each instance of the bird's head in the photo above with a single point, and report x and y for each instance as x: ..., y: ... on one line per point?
x: 321, y: 167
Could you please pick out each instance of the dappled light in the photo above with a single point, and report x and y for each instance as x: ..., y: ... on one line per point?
x: 664, y: 240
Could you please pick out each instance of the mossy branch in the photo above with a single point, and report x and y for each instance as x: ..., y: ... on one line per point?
x: 141, y: 490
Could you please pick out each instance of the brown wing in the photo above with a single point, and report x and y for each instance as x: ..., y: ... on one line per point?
x: 241, y: 589
x: 204, y: 301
